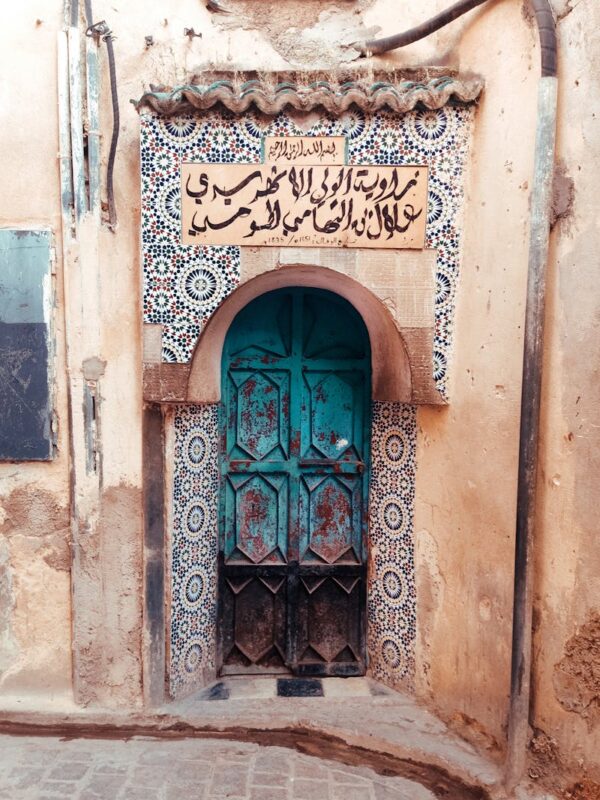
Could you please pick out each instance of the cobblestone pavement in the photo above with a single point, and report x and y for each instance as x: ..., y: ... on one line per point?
x: 34, y: 768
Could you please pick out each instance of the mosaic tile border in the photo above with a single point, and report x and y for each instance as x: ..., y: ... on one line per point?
x: 194, y: 546
x: 391, y: 593
x: 183, y: 286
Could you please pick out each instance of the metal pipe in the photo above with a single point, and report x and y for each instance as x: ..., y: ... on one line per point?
x: 74, y: 13
x: 89, y: 17
x: 75, y: 96
x: 521, y: 665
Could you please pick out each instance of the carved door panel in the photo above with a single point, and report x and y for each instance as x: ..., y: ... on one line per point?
x: 296, y: 400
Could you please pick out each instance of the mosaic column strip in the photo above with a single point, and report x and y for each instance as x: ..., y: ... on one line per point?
x: 391, y: 588
x: 194, y: 546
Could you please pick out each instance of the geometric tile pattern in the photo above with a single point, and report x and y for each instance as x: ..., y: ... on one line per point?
x: 183, y: 286
x: 391, y: 595
x: 194, y: 545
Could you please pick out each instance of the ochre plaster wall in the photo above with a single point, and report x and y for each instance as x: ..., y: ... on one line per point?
x: 567, y: 638
x: 467, y: 453
x: 35, y: 558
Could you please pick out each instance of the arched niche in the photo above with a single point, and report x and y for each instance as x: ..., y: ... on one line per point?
x: 392, y: 378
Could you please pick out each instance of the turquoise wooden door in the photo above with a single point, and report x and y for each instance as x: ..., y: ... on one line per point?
x: 295, y: 464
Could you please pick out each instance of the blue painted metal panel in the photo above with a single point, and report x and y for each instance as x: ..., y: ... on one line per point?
x: 296, y: 401
x: 25, y: 398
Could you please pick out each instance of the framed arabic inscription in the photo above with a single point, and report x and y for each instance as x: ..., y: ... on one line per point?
x: 299, y: 150
x: 304, y: 205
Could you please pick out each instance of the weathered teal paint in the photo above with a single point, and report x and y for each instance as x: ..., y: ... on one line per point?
x: 25, y: 398
x: 295, y: 465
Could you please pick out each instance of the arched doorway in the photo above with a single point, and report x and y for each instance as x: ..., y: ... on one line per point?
x: 296, y: 414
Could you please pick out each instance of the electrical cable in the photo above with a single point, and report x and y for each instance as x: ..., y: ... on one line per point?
x: 376, y: 47
x: 112, y: 211
x: 101, y: 29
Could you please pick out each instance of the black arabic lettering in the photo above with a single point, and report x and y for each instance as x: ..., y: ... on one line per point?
x: 359, y: 185
x: 216, y: 226
x: 295, y: 225
x: 394, y: 184
x: 377, y: 213
x: 271, y: 224
x: 292, y: 150
x: 241, y: 185
x: 272, y: 186
x: 301, y: 186
x: 203, y: 181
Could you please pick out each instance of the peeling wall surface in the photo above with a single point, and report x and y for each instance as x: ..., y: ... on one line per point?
x: 71, y: 532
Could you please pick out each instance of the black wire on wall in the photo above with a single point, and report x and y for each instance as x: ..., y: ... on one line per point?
x: 102, y: 30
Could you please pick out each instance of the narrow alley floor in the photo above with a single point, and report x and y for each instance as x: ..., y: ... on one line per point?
x: 36, y: 768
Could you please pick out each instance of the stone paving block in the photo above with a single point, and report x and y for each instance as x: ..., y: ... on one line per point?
x: 157, y: 759
x: 61, y: 788
x: 229, y: 782
x: 110, y: 768
x: 305, y: 789
x: 397, y: 791
x: 139, y: 793
x: 147, y: 775
x: 69, y: 771
x: 102, y: 787
x: 271, y: 761
x: 188, y: 791
x: 270, y: 778
x: 347, y: 792
x: 187, y: 771
x: 24, y: 777
x: 263, y: 793
x: 310, y: 769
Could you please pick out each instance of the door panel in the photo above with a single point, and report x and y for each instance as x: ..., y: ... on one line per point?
x: 330, y: 635
x: 259, y: 415
x: 253, y: 622
x: 296, y: 401
x: 330, y: 519
x: 256, y: 518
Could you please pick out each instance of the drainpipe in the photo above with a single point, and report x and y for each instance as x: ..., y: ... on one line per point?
x: 541, y: 195
x: 539, y: 234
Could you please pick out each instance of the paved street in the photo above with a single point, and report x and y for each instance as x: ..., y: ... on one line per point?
x: 149, y: 769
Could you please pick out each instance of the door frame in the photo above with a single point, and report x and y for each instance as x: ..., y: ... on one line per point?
x: 401, y: 385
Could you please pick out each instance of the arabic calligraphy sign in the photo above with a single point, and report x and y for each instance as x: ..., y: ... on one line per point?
x: 304, y: 206
x: 305, y: 150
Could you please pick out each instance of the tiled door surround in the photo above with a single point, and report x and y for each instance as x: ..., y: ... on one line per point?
x: 185, y: 286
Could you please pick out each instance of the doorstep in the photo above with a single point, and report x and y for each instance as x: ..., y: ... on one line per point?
x: 352, y: 720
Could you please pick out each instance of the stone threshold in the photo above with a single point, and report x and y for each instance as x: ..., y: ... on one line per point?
x: 389, y: 732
